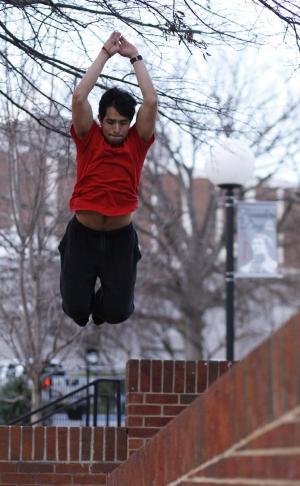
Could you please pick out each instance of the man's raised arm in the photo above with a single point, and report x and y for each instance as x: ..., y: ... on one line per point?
x: 82, y: 115
x: 146, y: 117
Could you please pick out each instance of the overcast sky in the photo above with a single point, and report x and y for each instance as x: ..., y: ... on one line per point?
x: 271, y: 64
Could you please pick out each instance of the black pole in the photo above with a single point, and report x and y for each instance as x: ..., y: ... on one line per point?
x: 229, y: 204
x: 87, y: 417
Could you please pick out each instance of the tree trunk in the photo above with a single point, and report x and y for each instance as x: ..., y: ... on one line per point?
x: 36, y: 396
x: 193, y: 339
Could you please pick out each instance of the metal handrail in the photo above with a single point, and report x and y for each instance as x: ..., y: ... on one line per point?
x: 95, y: 395
x: 57, y: 409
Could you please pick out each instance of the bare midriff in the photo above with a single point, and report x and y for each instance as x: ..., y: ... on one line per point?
x: 100, y: 222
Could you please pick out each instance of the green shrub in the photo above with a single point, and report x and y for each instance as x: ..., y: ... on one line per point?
x: 15, y: 399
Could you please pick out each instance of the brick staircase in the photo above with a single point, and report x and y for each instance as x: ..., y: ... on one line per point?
x: 185, y: 425
x: 156, y: 391
x: 245, y: 430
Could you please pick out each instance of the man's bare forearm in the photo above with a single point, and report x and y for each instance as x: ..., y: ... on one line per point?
x: 110, y: 47
x: 90, y: 78
x: 145, y: 83
x: 144, y: 80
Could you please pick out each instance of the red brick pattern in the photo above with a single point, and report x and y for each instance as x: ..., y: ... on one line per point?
x: 157, y: 391
x: 43, y: 456
x: 244, y: 430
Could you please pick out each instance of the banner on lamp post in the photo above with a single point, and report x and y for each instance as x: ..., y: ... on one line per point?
x: 257, y: 240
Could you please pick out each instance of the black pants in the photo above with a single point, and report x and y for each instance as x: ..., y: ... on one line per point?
x: 110, y: 255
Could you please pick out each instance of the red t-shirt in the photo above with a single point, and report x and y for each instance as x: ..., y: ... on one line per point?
x: 108, y: 177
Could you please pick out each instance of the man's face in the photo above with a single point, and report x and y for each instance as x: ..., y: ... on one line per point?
x: 114, y: 126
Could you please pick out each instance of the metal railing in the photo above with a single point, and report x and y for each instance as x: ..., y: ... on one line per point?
x: 87, y: 401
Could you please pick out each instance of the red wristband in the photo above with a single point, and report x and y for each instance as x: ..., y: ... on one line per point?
x: 105, y: 50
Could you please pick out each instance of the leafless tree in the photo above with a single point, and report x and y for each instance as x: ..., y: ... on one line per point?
x: 45, y: 45
x: 287, y: 11
x: 32, y: 324
x: 56, y: 38
x: 180, y: 283
x: 181, y: 221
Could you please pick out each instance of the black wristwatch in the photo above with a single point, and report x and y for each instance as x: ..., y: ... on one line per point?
x: 136, y: 58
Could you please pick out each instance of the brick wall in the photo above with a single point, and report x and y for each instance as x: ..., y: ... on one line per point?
x: 244, y: 430
x: 158, y: 390
x: 41, y: 456
x: 240, y: 429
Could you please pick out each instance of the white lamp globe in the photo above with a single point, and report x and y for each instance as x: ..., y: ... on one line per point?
x: 92, y: 356
x: 231, y: 163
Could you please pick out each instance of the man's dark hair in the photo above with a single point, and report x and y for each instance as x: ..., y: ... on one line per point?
x: 119, y: 99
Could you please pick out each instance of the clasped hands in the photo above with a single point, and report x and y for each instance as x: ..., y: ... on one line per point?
x: 117, y: 43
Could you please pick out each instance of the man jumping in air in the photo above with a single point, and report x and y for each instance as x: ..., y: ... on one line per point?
x: 100, y: 240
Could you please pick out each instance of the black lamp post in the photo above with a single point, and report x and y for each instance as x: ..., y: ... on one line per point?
x: 229, y: 273
x: 231, y: 166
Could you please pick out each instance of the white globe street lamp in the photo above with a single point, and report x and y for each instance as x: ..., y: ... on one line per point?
x: 92, y: 356
x: 230, y: 165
